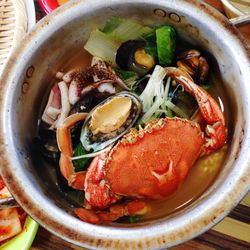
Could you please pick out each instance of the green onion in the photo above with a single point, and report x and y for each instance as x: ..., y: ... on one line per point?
x: 129, y: 77
x: 154, y: 88
x: 135, y: 218
x: 150, y: 113
x: 206, y: 86
x: 176, y: 109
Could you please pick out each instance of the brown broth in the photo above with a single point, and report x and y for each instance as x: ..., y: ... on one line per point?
x: 77, y: 60
x: 245, y: 30
x: 200, y: 177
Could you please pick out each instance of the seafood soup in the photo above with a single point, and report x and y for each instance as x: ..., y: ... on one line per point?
x: 134, y: 126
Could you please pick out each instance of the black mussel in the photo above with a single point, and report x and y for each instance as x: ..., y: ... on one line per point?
x: 131, y: 55
x: 84, y: 104
x: 46, y: 144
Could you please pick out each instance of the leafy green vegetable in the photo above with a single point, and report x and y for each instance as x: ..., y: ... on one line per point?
x: 104, y: 43
x: 149, y: 36
x: 135, y: 218
x: 166, y: 43
x: 112, y: 23
x: 169, y: 113
x: 125, y: 29
x: 101, y: 45
x: 128, y: 30
x: 206, y: 86
x: 126, y: 74
x: 81, y: 164
x: 154, y: 95
x: 129, y: 77
x: 150, y: 48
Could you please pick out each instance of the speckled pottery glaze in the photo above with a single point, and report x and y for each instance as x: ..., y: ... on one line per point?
x: 28, y: 74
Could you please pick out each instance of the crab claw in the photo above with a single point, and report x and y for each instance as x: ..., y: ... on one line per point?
x: 97, y: 194
x: 75, y: 180
x: 115, y: 212
x: 210, y: 110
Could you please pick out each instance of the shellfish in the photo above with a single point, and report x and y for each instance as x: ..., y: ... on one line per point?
x: 110, y: 120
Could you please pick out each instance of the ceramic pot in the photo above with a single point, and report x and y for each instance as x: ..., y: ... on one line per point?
x: 26, y: 81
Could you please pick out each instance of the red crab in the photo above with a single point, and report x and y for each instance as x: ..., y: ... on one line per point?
x: 147, y: 163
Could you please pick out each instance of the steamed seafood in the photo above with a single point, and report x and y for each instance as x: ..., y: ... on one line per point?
x: 123, y: 148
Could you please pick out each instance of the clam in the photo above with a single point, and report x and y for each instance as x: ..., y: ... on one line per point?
x: 110, y: 120
x: 194, y: 64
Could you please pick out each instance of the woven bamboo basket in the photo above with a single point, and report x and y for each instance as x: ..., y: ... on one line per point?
x: 13, y: 26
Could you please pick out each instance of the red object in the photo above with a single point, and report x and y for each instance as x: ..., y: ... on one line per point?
x: 2, y: 185
x: 48, y: 5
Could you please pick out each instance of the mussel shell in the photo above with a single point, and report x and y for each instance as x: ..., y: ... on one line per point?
x: 125, y: 53
x: 101, y: 141
x: 83, y: 105
x: 47, y: 145
x: 125, y: 57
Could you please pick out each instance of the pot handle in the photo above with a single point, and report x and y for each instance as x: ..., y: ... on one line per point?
x: 240, y: 20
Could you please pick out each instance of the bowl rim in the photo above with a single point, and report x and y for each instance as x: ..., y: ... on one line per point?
x: 92, y: 236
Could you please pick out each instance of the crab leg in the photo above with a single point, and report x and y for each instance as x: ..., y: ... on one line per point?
x: 215, y: 129
x: 115, y: 212
x: 75, y: 180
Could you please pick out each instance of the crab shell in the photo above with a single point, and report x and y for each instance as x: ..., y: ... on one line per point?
x: 147, y: 163
x: 153, y: 161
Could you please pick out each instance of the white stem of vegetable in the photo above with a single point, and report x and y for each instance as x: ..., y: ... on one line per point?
x: 129, y: 30
x: 154, y: 88
x: 176, y: 109
x: 153, y: 109
x: 99, y: 44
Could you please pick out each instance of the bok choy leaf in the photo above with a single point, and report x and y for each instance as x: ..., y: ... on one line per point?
x: 166, y: 43
x: 122, y: 29
x: 80, y: 164
x: 101, y: 45
x: 129, y: 77
x: 112, y: 23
